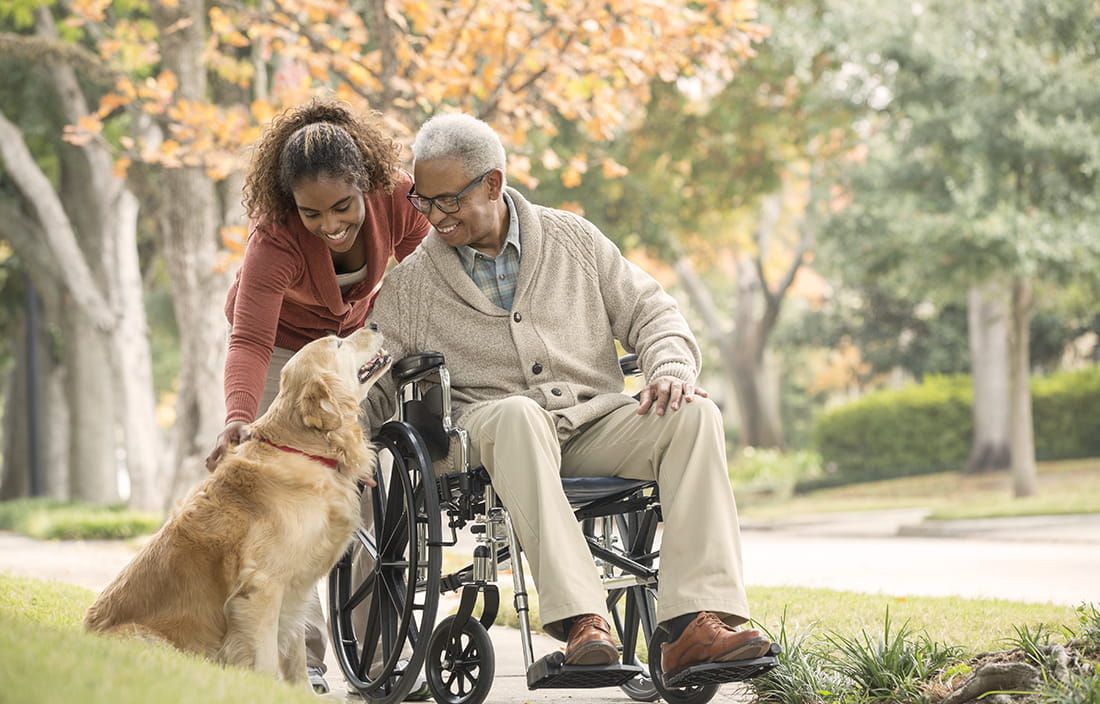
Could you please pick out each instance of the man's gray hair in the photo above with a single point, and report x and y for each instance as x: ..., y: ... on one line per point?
x: 462, y: 137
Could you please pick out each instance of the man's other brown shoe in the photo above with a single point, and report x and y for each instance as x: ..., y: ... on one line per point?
x: 590, y: 642
x: 708, y: 640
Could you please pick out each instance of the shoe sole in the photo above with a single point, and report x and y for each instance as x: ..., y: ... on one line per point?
x: 749, y: 650
x: 595, y: 653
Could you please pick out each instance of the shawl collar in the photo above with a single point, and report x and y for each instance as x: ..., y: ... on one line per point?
x: 446, y: 261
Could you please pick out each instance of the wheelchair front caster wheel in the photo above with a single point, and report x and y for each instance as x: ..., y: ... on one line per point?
x: 694, y: 694
x: 641, y: 689
x: 460, y: 669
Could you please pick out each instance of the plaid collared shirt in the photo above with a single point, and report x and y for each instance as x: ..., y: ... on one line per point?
x: 496, y: 277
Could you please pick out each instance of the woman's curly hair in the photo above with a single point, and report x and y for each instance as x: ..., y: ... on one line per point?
x: 321, y: 138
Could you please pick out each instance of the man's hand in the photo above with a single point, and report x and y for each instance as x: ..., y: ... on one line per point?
x: 667, y: 392
x: 234, y: 433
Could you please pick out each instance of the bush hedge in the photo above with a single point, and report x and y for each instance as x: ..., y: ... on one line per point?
x: 928, y: 427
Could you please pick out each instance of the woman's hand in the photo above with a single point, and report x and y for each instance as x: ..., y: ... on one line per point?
x: 667, y: 392
x: 234, y: 433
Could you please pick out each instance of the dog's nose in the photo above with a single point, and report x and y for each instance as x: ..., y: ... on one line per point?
x: 373, y: 326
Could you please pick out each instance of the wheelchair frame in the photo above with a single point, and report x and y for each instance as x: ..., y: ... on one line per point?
x: 382, y: 652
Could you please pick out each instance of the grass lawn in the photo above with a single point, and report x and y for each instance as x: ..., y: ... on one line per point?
x: 1069, y: 486
x: 45, y: 657
x: 976, y: 625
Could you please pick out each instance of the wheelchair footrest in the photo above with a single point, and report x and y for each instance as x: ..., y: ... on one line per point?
x: 551, y: 672
x: 719, y: 672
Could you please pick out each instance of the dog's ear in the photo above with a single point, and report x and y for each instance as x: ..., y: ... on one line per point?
x: 319, y: 402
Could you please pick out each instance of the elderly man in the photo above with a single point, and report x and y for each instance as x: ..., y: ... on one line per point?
x: 526, y: 302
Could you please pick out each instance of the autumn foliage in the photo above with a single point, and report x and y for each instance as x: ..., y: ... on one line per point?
x: 521, y: 66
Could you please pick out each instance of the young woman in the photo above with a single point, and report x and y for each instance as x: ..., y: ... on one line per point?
x: 325, y: 195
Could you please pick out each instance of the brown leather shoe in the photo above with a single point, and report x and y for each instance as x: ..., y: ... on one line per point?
x: 590, y: 642
x: 708, y: 640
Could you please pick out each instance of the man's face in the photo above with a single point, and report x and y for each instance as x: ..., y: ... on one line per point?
x: 478, y: 222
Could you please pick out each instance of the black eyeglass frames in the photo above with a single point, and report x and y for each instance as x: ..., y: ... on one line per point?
x: 446, y: 203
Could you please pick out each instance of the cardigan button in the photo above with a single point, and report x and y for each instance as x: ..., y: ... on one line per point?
x: 536, y: 368
x: 517, y: 317
x: 556, y: 391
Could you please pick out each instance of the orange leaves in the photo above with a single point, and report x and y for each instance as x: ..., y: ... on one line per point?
x: 578, y: 165
x: 225, y: 27
x: 519, y: 65
x: 234, y: 238
x: 612, y: 168
x: 90, y: 10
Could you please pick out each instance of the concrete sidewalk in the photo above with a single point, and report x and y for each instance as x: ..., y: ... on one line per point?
x: 914, y: 522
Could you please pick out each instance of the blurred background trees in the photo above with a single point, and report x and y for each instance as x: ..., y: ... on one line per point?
x: 844, y: 196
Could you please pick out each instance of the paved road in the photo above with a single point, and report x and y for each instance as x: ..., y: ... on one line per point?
x: 1036, y: 559
x: 893, y: 552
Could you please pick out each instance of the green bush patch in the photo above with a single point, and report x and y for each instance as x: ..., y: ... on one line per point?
x: 928, y: 427
x: 49, y: 519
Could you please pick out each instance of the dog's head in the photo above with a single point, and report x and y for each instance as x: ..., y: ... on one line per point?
x: 320, y: 390
x: 331, y: 375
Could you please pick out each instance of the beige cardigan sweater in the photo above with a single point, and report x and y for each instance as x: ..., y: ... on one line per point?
x: 575, y: 296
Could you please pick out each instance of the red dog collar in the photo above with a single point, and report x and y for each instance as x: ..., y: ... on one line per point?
x: 327, y: 461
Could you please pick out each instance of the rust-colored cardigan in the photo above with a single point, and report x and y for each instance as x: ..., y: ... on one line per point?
x: 285, y: 293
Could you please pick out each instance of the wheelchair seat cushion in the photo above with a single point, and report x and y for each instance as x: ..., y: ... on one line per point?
x: 583, y: 490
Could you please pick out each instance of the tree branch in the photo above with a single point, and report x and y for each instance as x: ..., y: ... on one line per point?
x: 57, y: 230
x: 39, y: 49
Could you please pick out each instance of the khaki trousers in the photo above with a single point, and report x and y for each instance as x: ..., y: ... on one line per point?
x: 684, y: 450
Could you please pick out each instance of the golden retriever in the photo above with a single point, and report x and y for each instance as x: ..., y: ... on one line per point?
x: 229, y: 574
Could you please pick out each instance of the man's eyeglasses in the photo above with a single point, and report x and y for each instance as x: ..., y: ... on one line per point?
x: 445, y: 204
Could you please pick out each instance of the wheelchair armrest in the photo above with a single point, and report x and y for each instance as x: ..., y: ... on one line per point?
x: 629, y: 364
x: 410, y: 368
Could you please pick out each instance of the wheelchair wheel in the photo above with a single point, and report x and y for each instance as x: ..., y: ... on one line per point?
x: 460, y: 670
x: 384, y: 591
x: 696, y: 694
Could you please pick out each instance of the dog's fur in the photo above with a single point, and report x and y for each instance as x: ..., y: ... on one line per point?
x: 229, y: 574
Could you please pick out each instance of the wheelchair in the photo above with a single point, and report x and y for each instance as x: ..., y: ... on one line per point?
x: 416, y: 514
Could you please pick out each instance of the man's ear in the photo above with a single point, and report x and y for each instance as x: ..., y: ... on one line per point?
x: 318, y: 402
x: 495, y: 182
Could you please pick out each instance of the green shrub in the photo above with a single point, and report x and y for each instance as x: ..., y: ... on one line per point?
x: 892, y: 433
x: 928, y: 427
x: 56, y: 520
x: 772, y: 472
x: 1066, y: 414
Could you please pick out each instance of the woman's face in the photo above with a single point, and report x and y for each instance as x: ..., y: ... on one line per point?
x: 331, y: 209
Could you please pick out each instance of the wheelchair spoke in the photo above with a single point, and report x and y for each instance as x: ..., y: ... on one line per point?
x: 365, y: 589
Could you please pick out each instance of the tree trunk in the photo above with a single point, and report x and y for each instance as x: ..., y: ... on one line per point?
x: 1024, y: 473
x: 989, y: 334
x: 713, y: 329
x: 743, y: 350
x: 187, y: 237
x: 142, y: 438
x: 104, y: 336
x: 35, y: 399
x: 755, y: 400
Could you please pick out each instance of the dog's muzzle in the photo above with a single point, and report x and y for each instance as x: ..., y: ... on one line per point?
x: 372, y: 367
